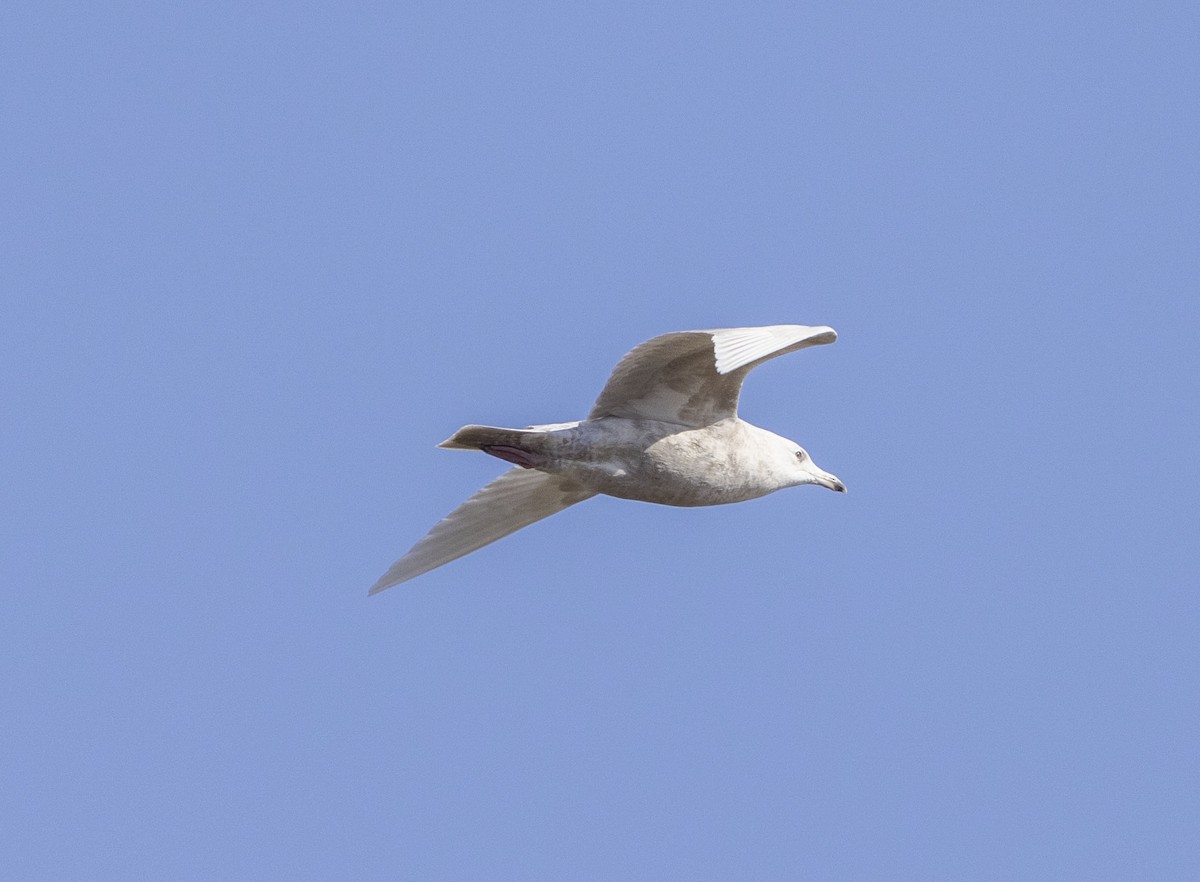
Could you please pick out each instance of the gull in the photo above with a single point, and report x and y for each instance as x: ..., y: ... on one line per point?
x: 665, y: 429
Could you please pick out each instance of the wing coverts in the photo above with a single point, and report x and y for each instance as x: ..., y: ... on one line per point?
x: 694, y: 378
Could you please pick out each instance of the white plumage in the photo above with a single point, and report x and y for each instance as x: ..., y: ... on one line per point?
x: 664, y: 429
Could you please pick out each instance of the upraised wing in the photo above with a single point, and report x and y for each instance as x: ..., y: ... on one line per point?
x: 514, y: 500
x: 694, y: 377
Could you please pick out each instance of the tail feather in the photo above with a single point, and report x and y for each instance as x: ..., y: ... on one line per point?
x: 475, y: 437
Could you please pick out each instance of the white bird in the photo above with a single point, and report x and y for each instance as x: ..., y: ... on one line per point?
x: 664, y: 429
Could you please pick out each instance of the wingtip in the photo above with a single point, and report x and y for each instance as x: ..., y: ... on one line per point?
x: 385, y: 582
x: 737, y: 348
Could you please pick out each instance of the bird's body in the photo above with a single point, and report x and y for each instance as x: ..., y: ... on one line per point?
x: 645, y: 460
x: 665, y: 430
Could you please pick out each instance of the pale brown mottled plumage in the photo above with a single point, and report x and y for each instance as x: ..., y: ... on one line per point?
x: 664, y: 429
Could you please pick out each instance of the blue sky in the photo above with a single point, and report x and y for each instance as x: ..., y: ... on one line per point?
x: 258, y: 259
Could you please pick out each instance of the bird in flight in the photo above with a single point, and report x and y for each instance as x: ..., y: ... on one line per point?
x: 665, y: 429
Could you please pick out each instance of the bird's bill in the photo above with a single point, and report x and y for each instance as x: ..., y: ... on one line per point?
x: 833, y: 482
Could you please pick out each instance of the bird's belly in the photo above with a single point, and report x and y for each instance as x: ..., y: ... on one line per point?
x: 660, y: 462
x: 665, y: 483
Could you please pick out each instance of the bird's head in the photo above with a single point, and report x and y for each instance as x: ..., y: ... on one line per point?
x: 791, y: 465
x: 806, y: 471
x: 793, y: 462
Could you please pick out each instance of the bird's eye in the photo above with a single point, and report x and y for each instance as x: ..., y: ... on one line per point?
x: 800, y: 455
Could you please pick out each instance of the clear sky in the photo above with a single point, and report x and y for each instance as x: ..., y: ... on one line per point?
x: 258, y: 259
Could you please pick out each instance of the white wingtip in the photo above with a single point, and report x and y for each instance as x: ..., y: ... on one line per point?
x: 735, y: 348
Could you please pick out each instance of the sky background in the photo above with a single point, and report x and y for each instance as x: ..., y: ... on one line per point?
x: 258, y: 259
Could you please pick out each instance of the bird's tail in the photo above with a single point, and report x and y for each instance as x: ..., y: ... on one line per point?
x: 479, y: 437
x: 529, y: 447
